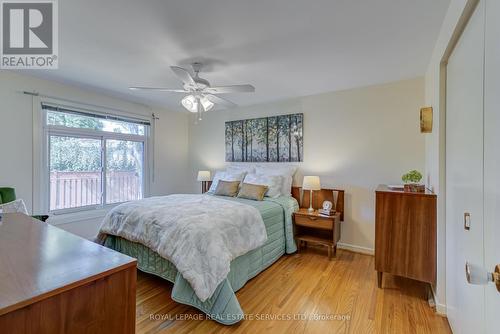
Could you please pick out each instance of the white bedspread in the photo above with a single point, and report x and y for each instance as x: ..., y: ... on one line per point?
x: 199, y: 234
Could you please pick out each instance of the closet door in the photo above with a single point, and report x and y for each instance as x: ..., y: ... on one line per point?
x: 464, y: 176
x: 492, y: 161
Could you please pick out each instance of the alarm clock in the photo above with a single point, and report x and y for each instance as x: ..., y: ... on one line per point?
x: 327, y: 208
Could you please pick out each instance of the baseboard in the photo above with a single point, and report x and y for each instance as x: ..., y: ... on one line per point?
x: 440, y: 308
x: 356, y: 249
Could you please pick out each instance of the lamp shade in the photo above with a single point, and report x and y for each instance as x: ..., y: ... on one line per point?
x: 311, y: 183
x: 206, y: 103
x: 190, y: 103
x: 204, y: 175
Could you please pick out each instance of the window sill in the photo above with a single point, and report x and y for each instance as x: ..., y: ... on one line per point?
x: 74, y: 217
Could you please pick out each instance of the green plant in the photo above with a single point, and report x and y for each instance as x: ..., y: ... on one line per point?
x: 413, y: 176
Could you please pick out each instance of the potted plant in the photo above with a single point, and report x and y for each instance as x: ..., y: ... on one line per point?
x: 411, y: 180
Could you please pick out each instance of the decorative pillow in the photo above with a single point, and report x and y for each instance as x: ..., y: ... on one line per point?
x: 225, y: 176
x: 227, y: 188
x: 16, y: 206
x: 272, y: 182
x: 286, y: 172
x: 252, y: 191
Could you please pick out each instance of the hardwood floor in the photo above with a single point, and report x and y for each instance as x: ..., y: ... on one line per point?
x: 305, y: 285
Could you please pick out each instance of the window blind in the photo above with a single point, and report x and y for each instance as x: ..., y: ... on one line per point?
x: 95, y: 115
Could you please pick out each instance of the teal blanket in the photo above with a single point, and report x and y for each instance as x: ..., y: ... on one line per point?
x: 223, y: 306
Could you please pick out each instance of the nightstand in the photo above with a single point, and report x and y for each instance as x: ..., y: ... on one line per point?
x: 317, y: 229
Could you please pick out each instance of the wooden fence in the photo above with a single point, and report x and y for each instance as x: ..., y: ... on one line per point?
x: 76, y: 189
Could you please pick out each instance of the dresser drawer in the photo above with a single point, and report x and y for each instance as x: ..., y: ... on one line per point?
x: 313, y: 221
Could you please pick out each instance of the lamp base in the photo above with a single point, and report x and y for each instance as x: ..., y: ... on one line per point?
x: 310, y: 210
x: 204, y: 186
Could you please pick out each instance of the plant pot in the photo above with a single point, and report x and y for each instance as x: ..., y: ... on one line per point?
x: 414, y: 188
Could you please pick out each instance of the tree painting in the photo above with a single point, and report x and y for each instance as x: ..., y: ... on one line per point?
x: 272, y: 139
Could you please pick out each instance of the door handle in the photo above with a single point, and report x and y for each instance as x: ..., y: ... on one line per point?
x: 466, y: 221
x: 479, y: 276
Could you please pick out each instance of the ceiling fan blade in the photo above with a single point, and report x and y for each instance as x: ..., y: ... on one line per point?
x: 220, y: 101
x: 159, y: 89
x: 183, y: 74
x: 231, y: 89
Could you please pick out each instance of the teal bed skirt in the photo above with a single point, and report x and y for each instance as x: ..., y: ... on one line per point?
x: 223, y: 306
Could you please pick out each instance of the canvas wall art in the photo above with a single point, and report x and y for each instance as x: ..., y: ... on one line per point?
x: 267, y: 139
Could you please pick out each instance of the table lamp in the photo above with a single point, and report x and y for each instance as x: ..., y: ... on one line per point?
x: 204, y: 178
x: 311, y: 183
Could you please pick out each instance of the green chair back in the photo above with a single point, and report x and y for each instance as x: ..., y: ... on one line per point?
x: 7, y: 195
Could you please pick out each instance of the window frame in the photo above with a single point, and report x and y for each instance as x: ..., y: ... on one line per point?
x: 103, y: 136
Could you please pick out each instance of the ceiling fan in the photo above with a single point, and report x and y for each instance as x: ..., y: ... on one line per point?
x: 201, y: 96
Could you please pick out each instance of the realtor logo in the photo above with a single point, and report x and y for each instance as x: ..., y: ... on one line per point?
x: 29, y: 34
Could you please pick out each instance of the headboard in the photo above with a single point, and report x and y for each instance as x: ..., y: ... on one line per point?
x: 336, y: 196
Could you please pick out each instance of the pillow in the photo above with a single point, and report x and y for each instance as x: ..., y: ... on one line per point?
x: 272, y: 182
x: 241, y: 168
x: 286, y: 172
x: 227, y: 188
x: 16, y: 206
x: 252, y: 191
x: 225, y: 176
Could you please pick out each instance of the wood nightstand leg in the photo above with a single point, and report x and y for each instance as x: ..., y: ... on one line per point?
x: 329, y: 253
x: 379, y: 279
x: 335, y: 251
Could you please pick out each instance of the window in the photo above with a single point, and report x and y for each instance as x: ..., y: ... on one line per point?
x: 93, y: 159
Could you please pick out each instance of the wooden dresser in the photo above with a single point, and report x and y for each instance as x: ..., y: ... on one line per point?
x: 405, y: 234
x: 52, y: 281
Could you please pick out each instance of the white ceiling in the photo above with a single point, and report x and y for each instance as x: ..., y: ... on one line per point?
x: 285, y: 48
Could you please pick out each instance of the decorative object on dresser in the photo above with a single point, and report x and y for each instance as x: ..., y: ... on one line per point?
x: 315, y: 228
x: 204, y: 178
x: 311, y: 183
x: 411, y: 180
x: 267, y: 139
x: 405, y: 234
x: 55, y: 282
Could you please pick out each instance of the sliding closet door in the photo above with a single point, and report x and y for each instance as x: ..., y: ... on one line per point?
x: 464, y: 176
x: 492, y: 161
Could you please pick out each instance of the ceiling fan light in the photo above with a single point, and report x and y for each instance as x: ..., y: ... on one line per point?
x: 190, y: 103
x: 206, y: 103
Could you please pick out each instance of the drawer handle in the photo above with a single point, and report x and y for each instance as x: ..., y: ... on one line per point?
x: 312, y: 218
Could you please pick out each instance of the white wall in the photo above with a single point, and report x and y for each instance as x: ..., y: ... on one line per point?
x: 16, y: 135
x: 354, y: 139
x: 435, y: 79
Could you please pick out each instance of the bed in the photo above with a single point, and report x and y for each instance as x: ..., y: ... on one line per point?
x: 222, y: 305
